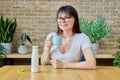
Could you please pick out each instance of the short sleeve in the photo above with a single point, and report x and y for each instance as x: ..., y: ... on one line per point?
x: 86, y: 43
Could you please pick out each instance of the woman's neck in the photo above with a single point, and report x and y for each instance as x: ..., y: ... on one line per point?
x: 67, y: 34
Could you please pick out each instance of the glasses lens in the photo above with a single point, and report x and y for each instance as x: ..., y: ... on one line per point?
x: 67, y: 19
x: 59, y: 19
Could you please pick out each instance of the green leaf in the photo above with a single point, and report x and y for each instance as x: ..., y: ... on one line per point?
x: 23, y: 39
x: 96, y: 30
x: 2, y: 51
x: 7, y: 29
x: 116, y: 61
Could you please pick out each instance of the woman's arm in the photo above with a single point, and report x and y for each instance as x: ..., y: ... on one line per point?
x: 45, y: 59
x: 90, y: 62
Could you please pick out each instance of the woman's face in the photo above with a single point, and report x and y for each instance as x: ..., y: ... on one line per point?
x: 65, y: 21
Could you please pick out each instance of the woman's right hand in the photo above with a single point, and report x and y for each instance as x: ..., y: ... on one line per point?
x: 48, y: 43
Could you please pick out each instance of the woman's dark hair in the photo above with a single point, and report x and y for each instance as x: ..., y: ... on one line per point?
x: 72, y: 12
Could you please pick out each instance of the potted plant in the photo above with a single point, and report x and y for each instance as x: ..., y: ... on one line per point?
x: 21, y: 43
x: 95, y: 30
x: 116, y: 61
x: 2, y: 55
x: 7, y: 30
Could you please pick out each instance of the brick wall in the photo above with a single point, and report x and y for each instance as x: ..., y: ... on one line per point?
x: 37, y: 18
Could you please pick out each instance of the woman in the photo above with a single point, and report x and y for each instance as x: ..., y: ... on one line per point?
x: 74, y: 43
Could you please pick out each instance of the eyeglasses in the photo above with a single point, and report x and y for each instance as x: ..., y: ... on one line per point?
x: 66, y: 19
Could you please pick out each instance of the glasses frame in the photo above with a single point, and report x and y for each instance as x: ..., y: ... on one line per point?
x: 66, y: 19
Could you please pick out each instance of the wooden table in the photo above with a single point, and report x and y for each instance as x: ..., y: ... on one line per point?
x: 48, y: 73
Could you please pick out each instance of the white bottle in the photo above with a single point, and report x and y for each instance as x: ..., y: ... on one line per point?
x: 34, y: 59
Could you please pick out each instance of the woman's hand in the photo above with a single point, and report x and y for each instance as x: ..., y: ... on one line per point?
x: 56, y: 64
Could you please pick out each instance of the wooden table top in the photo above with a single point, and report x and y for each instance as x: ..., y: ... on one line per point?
x: 48, y: 73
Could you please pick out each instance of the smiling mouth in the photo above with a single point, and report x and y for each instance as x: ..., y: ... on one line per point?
x: 65, y: 25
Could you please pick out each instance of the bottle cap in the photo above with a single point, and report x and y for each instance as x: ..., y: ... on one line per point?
x: 35, y: 47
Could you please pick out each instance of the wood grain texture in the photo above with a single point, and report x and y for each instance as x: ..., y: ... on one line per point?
x: 48, y: 73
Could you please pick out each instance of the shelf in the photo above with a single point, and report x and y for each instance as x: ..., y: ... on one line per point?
x: 28, y: 55
x: 104, y: 56
x: 16, y: 55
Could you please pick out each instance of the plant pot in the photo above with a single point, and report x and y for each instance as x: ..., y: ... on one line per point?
x: 95, y: 47
x: 8, y: 47
x: 23, y: 49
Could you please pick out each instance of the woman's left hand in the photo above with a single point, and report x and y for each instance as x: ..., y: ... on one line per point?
x: 56, y: 63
